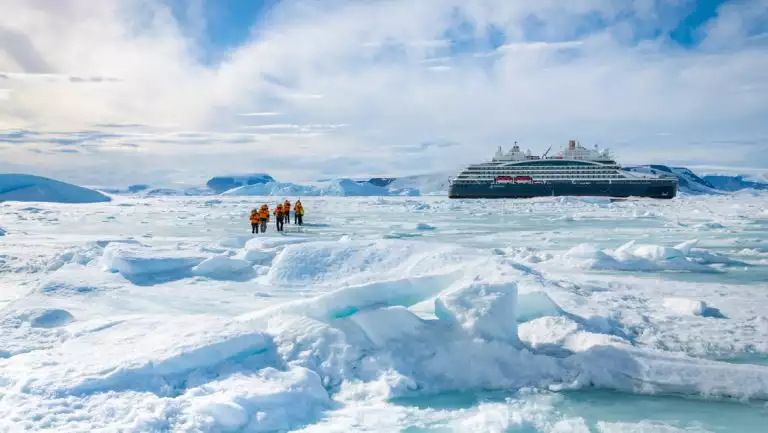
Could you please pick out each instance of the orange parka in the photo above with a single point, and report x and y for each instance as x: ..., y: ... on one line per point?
x: 264, y: 213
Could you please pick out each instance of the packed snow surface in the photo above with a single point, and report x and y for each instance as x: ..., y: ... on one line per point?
x: 155, y: 314
x: 29, y: 188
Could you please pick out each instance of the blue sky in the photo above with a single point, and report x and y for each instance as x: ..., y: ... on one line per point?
x: 164, y: 91
x: 221, y: 26
x: 218, y: 27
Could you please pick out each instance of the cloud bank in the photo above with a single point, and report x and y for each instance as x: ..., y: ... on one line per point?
x: 114, y: 92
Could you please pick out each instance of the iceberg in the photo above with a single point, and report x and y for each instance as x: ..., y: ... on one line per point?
x: 334, y: 188
x: 274, y: 189
x: 29, y: 188
x: 689, y: 182
x: 738, y: 182
x: 221, y: 184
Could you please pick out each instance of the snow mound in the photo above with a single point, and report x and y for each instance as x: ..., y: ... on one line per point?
x: 29, y: 188
x: 144, y: 265
x: 347, y: 301
x: 262, y: 251
x: 642, y: 371
x: 143, y: 354
x: 384, y: 325
x: 644, y: 257
x: 272, y: 243
x: 562, y: 333
x: 690, y: 307
x: 268, y: 401
x: 224, y: 268
x: 524, y: 254
x: 234, y: 241
x: 361, y: 261
x: 45, y: 318
x: 484, y: 309
x: 256, y: 256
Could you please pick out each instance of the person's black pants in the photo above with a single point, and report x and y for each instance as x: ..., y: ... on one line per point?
x: 279, y: 223
x: 254, y: 227
x: 300, y: 219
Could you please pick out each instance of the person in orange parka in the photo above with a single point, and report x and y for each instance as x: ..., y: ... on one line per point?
x: 298, y: 212
x: 287, y: 212
x: 263, y: 217
x: 254, y: 220
x: 279, y: 215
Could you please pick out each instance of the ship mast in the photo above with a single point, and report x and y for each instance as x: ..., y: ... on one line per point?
x: 545, y: 153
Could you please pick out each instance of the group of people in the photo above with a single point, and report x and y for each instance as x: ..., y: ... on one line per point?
x: 282, y: 212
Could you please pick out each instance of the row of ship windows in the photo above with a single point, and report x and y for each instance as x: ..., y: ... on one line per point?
x: 532, y: 173
x: 554, y: 176
x: 580, y: 167
x: 487, y: 181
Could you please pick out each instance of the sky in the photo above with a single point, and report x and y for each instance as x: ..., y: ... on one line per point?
x: 173, y: 92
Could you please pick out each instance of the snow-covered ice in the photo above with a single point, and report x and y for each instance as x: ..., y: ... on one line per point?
x: 153, y: 314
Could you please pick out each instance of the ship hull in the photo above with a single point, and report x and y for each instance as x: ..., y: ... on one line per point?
x: 651, y: 189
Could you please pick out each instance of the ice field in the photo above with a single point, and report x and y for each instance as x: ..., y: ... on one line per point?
x: 413, y: 314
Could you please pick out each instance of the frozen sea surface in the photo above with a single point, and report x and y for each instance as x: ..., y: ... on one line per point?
x: 386, y: 314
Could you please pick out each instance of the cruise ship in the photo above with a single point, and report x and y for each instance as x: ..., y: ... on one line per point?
x: 575, y: 171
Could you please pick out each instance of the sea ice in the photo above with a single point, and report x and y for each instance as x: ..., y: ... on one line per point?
x: 504, y: 318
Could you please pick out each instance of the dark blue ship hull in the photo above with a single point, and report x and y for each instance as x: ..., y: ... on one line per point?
x: 662, y: 189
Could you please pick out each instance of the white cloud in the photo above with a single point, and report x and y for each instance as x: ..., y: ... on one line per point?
x: 519, y: 46
x: 54, y: 77
x: 394, y: 73
x: 261, y: 114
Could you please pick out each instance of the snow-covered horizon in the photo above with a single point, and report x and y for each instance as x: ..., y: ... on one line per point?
x: 263, y: 184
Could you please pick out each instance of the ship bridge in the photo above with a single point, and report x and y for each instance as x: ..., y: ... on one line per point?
x: 573, y: 152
